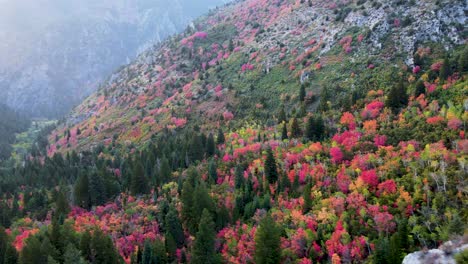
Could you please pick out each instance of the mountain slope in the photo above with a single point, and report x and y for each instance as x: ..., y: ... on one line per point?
x: 289, y: 149
x: 249, y: 58
x: 57, y: 53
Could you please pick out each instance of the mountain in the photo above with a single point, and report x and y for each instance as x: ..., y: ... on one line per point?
x: 56, y: 53
x: 249, y: 58
x: 274, y: 131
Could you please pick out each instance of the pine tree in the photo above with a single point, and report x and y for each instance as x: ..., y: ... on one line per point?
x: 210, y: 145
x: 188, y: 206
x: 85, y: 246
x: 103, y: 249
x: 295, y: 130
x: 397, y: 97
x: 164, y: 171
x: 302, y: 93
x: 203, y: 251
x: 307, y: 198
x: 212, y: 171
x: 281, y: 115
x: 202, y: 200
x: 174, y: 227
x: 72, y: 255
x: 267, y: 242
x: 239, y: 177
x: 196, y: 149
x: 97, y: 192
x: 62, y: 208
x: 445, y: 70
x: 159, y: 252
x: 220, y: 138
x: 463, y: 60
x: 284, y: 132
x: 147, y: 256
x: 419, y: 89
x: 81, y: 192
x: 271, y: 171
x: 8, y: 253
x: 139, y: 184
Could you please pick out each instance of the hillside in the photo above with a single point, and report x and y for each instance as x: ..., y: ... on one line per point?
x: 269, y: 132
x: 54, y: 54
x: 248, y: 59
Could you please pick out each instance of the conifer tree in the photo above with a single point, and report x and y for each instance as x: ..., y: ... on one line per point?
x: 295, y: 130
x: 445, y: 70
x: 267, y: 242
x: 397, y: 97
x: 72, y: 255
x: 284, y: 132
x: 307, y: 198
x: 139, y: 184
x: 97, y: 190
x: 302, y: 93
x: 81, y: 192
x: 271, y: 171
x: 281, y: 115
x: 210, y: 145
x: 212, y: 171
x: 174, y: 227
x: 196, y: 149
x: 203, y: 251
x: 419, y: 89
x: 220, y: 138
x: 164, y: 171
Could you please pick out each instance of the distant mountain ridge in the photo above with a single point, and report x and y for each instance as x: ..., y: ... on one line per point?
x: 54, y: 53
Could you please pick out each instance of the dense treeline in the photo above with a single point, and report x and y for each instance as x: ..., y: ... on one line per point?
x: 11, y: 123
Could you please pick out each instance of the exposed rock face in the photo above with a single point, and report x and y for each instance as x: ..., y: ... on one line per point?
x: 55, y: 53
x: 442, y: 255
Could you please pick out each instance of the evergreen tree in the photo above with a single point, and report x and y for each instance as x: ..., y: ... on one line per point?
x: 382, y: 251
x: 239, y: 177
x: 165, y: 172
x: 147, y: 256
x: 302, y: 93
x: 97, y: 192
x: 267, y: 242
x: 72, y: 255
x: 159, y: 252
x: 202, y: 200
x: 139, y: 184
x: 31, y: 252
x: 174, y: 227
x: 10, y: 255
x: 188, y: 205
x: 281, y: 115
x: 397, y: 97
x: 196, y: 149
x: 445, y: 71
x: 210, y: 145
x: 62, y: 208
x: 81, y: 192
x: 203, y: 251
x: 85, y: 246
x: 271, y: 171
x: 7, y: 251
x: 295, y: 130
x: 307, y: 198
x: 103, y: 249
x: 212, y: 170
x: 463, y: 60
x: 220, y: 138
x: 284, y: 132
x: 419, y: 89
